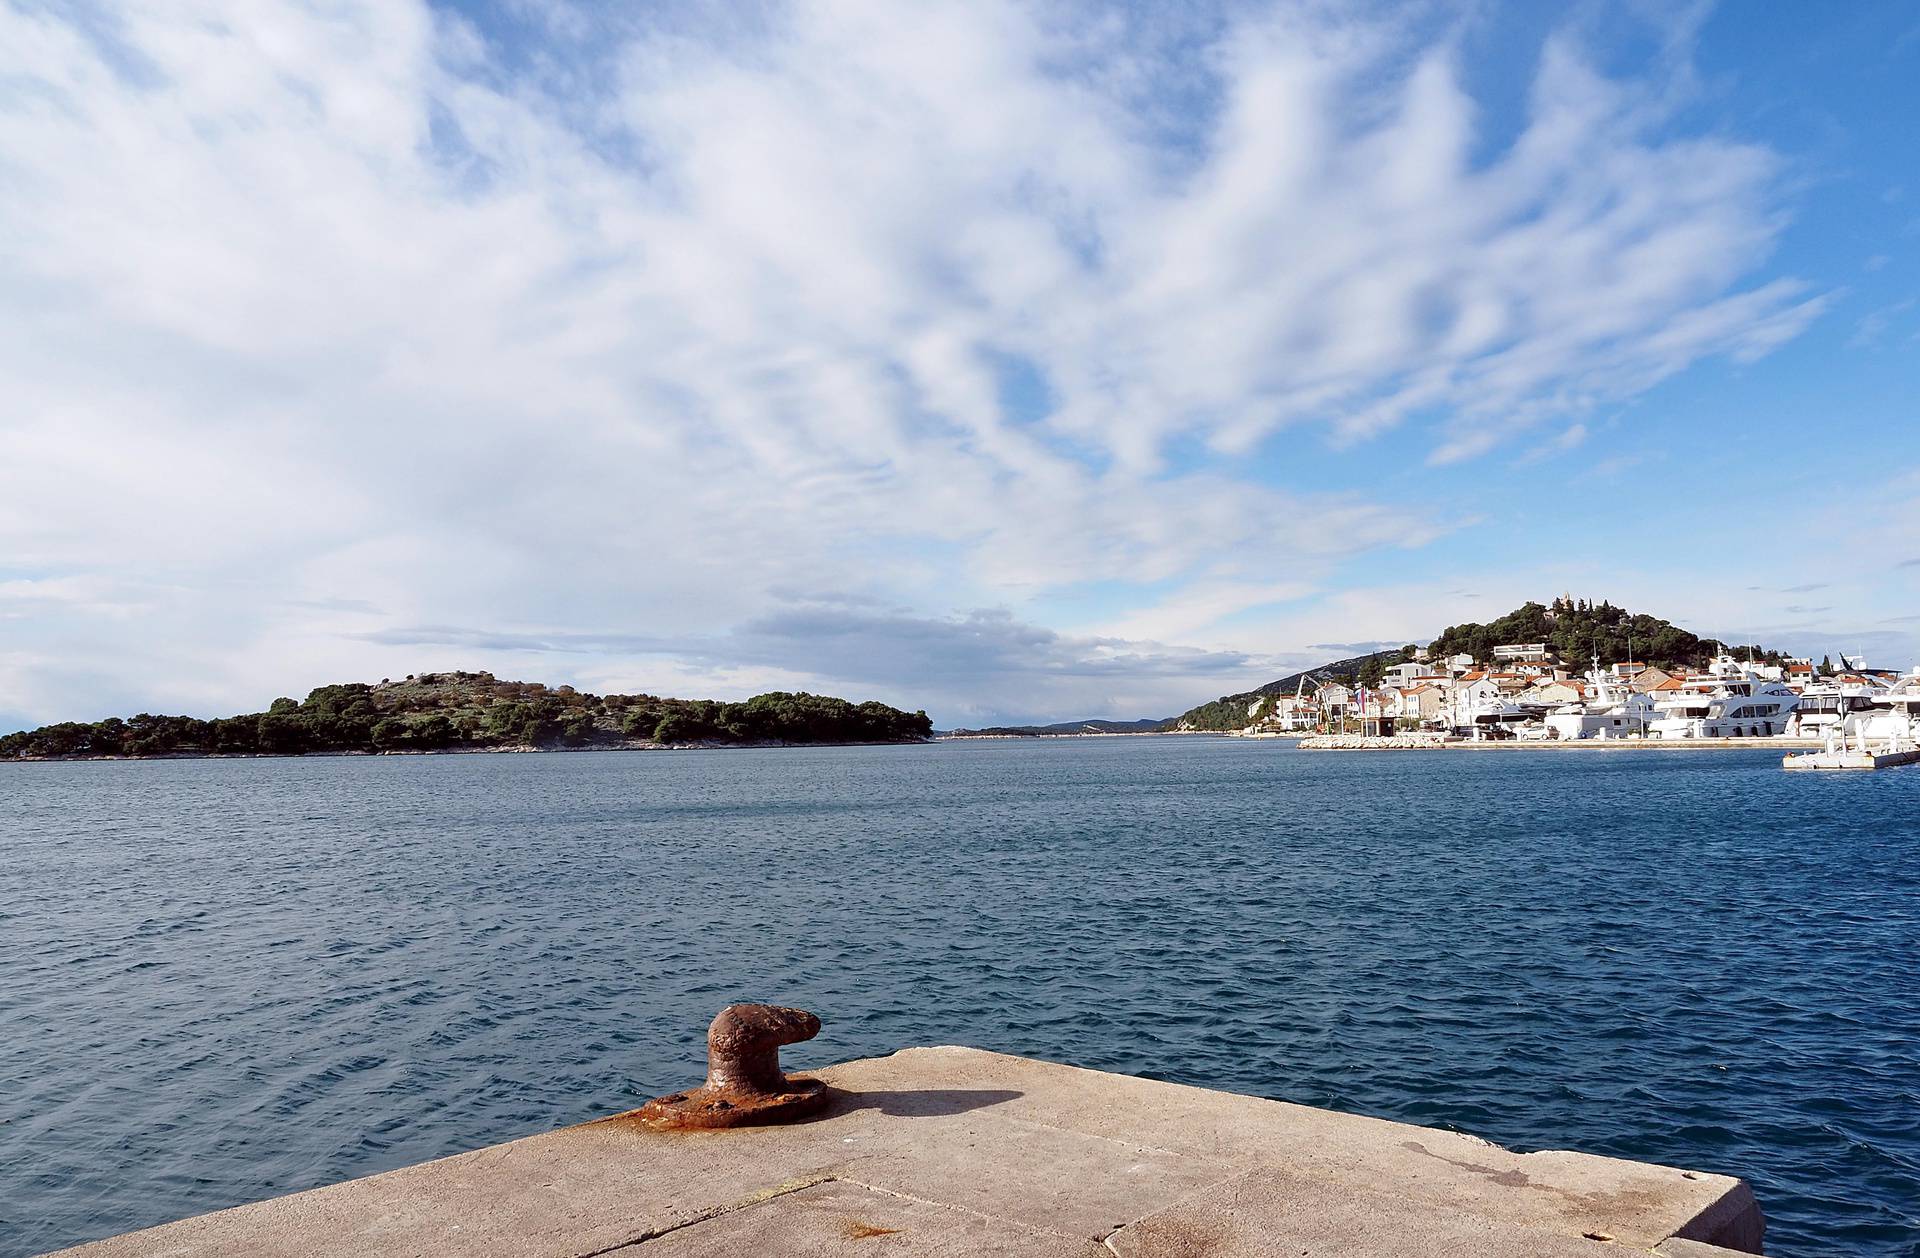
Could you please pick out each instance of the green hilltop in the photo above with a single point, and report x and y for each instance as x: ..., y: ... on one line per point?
x: 473, y: 712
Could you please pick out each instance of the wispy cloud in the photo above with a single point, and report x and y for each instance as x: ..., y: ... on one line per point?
x: 647, y: 317
x: 1569, y: 438
x: 983, y: 662
x: 1353, y: 648
x: 1873, y: 326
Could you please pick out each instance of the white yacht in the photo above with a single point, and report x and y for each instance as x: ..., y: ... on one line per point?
x: 1827, y: 704
x: 1729, y: 700
x: 1894, y: 716
x: 1499, y: 717
x: 1615, y: 711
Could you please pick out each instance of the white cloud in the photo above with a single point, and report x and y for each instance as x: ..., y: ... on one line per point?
x: 1572, y: 437
x: 982, y: 666
x: 1872, y: 327
x: 339, y: 306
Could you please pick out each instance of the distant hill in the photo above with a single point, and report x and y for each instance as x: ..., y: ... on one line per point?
x: 1574, y: 628
x: 471, y: 712
x: 1235, y: 711
x: 1148, y: 725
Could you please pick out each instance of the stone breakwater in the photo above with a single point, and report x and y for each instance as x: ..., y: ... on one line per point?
x: 1363, y: 742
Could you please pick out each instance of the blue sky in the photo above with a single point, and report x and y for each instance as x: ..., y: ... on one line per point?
x: 1011, y: 360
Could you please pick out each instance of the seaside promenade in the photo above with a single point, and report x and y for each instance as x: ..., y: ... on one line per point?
x: 1440, y: 742
x: 957, y: 1152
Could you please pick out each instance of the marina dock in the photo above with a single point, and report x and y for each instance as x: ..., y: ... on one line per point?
x: 1850, y: 758
x: 958, y: 1151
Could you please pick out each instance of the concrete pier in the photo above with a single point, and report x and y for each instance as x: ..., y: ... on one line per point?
x: 1850, y: 758
x: 956, y: 1151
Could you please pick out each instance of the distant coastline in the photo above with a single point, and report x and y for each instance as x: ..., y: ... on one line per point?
x: 961, y: 736
x: 517, y: 750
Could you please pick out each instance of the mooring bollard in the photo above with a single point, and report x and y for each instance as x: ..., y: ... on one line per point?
x: 744, y: 1084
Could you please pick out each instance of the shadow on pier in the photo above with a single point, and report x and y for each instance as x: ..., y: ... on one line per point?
x: 921, y: 1102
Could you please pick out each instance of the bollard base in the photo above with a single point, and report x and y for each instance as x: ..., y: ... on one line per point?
x: 723, y: 1107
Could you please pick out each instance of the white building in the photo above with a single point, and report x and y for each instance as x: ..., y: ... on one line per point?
x: 1408, y: 674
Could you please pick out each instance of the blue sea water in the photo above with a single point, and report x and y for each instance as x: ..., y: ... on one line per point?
x: 225, y: 980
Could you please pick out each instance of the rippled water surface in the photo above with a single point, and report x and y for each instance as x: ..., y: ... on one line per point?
x: 225, y: 980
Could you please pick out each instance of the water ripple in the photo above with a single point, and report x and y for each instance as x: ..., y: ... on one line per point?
x: 232, y: 979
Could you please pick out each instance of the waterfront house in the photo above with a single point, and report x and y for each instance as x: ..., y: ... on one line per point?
x: 1472, y: 692
x: 1294, y: 713
x: 1511, y: 684
x: 1406, y: 674
x: 1424, y: 703
x: 1553, y: 690
x: 1667, y: 689
x: 1648, y: 679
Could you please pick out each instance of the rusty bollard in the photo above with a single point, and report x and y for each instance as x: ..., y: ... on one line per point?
x: 744, y: 1085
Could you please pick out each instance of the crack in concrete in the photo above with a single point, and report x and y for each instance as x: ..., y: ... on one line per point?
x: 745, y: 1203
x: 1105, y: 1239
x: 948, y: 1205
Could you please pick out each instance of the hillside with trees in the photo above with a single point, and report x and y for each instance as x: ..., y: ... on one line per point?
x: 1573, y: 628
x: 1576, y: 629
x: 1060, y: 729
x: 471, y: 712
x: 1237, y: 711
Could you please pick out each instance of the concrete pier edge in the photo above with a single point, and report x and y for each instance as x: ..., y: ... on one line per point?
x: 961, y: 1151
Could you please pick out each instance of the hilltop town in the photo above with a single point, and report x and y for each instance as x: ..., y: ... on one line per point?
x: 1685, y: 687
x: 1527, y: 684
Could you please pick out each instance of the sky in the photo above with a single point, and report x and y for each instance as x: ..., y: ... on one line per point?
x: 1008, y: 360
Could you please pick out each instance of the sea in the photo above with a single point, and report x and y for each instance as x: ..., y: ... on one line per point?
x: 223, y: 980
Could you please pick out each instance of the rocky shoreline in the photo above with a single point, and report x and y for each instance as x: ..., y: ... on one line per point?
x: 515, y: 750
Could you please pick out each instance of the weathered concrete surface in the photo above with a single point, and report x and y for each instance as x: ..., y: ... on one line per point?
x: 958, y: 1151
